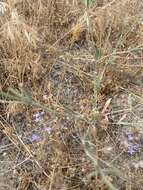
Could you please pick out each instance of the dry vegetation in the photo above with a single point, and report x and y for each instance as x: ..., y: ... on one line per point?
x: 71, y: 101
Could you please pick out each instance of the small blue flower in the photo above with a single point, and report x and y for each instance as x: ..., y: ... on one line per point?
x: 35, y: 138
x: 47, y: 129
x: 133, y: 148
x: 38, y: 116
x: 130, y: 136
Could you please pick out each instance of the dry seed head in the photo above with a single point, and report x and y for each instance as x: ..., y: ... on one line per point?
x: 76, y: 32
x: 16, y: 30
x: 138, y: 165
x: 12, y: 108
x: 12, y: 3
x: 3, y: 8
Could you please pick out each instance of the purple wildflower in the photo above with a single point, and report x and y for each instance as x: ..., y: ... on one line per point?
x: 38, y: 116
x: 133, y: 148
x: 130, y: 136
x: 47, y: 129
x: 35, y: 138
x: 37, y: 119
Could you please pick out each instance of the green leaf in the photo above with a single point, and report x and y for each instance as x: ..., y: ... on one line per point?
x: 97, y: 54
x: 88, y: 3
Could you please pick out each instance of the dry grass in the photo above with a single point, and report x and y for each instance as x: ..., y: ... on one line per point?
x: 71, y: 95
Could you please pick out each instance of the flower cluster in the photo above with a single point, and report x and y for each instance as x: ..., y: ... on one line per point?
x: 38, y: 116
x: 35, y: 138
x: 133, y: 147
